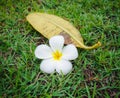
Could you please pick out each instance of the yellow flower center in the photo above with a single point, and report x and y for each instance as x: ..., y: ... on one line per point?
x: 57, y: 55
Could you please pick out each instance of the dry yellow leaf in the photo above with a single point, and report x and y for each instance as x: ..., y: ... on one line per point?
x: 51, y: 25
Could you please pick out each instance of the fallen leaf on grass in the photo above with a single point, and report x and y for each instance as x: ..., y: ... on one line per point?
x: 51, y: 25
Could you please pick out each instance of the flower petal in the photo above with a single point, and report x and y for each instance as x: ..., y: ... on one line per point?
x: 43, y: 52
x: 47, y: 66
x: 64, y: 67
x: 56, y: 42
x: 70, y: 52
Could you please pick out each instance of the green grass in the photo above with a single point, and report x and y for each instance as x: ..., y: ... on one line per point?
x: 96, y: 73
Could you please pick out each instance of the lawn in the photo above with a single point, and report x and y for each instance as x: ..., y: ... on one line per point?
x: 96, y: 72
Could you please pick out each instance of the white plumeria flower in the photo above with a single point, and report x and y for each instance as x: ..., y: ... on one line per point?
x: 56, y: 57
